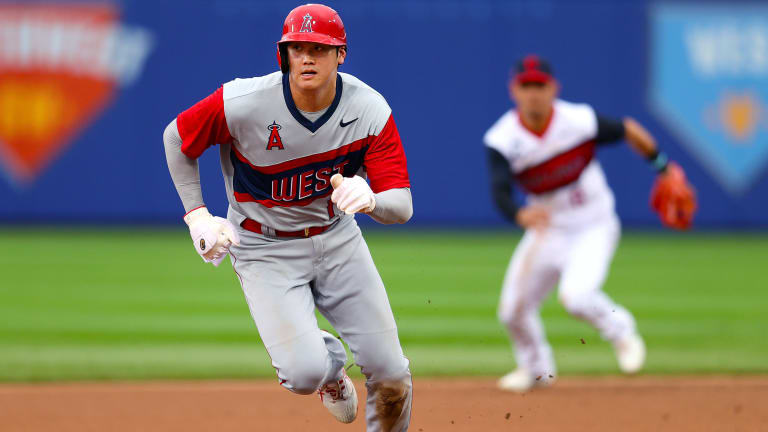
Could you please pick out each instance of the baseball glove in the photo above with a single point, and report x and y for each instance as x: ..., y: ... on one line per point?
x: 673, y: 198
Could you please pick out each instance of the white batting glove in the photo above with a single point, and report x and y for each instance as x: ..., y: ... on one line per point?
x: 352, y: 194
x: 212, y: 236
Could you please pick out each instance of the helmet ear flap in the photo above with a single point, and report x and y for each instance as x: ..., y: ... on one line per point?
x: 282, y: 58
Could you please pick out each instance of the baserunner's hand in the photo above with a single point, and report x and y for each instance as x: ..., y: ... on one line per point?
x: 212, y: 236
x: 352, y: 194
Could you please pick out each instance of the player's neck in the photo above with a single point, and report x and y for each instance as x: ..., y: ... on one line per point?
x: 537, y: 124
x: 315, y: 99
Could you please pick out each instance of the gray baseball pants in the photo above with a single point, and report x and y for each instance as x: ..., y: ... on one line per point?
x: 284, y: 280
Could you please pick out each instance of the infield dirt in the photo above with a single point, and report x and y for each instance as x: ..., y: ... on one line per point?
x: 658, y: 403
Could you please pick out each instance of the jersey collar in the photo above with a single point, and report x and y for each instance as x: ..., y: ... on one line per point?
x: 310, y: 125
x: 546, y: 125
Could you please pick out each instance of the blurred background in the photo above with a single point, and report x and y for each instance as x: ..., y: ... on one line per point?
x: 97, y: 276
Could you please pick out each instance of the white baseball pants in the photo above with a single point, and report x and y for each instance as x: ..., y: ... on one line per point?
x: 576, y: 258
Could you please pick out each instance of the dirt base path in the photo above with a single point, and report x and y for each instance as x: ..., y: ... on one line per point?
x: 574, y: 404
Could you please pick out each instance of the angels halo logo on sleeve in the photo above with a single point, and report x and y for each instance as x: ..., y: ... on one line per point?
x: 60, y: 65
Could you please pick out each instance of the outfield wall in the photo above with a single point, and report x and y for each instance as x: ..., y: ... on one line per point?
x: 82, y: 110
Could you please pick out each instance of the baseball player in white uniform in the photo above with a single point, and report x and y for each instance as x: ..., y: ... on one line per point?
x: 547, y: 147
x: 296, y: 148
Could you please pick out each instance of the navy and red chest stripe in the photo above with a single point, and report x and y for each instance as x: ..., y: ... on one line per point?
x: 297, y: 182
x: 300, y: 181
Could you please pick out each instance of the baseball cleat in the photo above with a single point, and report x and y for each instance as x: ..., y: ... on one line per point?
x: 340, y: 398
x: 630, y: 353
x: 521, y: 380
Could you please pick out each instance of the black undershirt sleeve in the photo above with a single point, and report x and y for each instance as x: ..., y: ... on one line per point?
x: 609, y: 130
x: 501, y: 185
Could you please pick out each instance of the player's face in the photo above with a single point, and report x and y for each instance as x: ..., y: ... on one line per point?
x: 533, y: 99
x: 313, y: 65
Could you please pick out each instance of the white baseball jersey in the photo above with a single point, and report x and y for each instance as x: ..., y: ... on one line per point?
x: 557, y: 166
x: 277, y: 164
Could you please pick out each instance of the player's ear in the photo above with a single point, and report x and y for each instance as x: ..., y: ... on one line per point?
x: 512, y: 90
x: 341, y: 54
x: 555, y: 87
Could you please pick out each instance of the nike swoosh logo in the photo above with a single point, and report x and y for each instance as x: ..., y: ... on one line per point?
x: 342, y: 124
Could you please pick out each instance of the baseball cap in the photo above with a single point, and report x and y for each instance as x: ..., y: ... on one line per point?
x: 532, y: 68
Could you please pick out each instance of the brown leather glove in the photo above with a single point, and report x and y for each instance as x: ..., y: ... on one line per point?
x: 673, y: 198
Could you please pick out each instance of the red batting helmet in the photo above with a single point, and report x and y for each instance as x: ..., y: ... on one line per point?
x: 311, y: 23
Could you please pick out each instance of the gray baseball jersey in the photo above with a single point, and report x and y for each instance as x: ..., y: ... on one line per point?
x: 279, y: 167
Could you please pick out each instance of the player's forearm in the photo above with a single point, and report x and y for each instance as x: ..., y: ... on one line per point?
x: 501, y: 189
x: 642, y: 142
x: 184, y: 171
x: 639, y: 138
x: 393, y: 206
x: 502, y: 197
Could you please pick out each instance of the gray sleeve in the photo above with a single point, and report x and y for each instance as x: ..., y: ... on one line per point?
x: 184, y: 171
x: 393, y: 206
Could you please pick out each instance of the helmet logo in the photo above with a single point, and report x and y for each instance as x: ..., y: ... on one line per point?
x: 306, y: 26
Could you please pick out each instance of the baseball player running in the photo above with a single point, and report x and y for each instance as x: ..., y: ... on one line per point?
x: 296, y: 146
x: 547, y: 146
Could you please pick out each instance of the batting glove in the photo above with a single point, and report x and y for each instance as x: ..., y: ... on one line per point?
x: 212, y: 236
x: 352, y: 194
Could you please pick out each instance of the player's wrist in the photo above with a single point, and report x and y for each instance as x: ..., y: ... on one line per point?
x: 658, y: 161
x: 197, y: 214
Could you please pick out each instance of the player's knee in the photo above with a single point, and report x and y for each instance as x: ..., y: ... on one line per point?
x: 576, y: 305
x: 304, y: 382
x: 304, y: 377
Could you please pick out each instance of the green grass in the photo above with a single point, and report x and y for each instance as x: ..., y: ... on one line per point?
x: 139, y: 303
